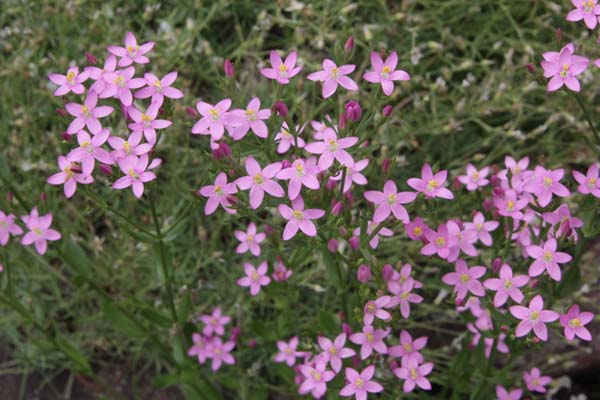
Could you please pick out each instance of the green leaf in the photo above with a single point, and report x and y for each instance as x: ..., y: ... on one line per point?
x: 570, y: 282
x: 327, y: 322
x: 80, y: 363
x: 166, y: 380
x: 121, y: 322
x: 332, y: 268
x: 76, y: 258
x: 157, y: 318
x: 185, y: 307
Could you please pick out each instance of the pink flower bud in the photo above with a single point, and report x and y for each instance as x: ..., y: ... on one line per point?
x: 456, y: 183
x: 498, y: 192
x: 235, y: 333
x: 66, y: 136
x: 387, y: 110
x: 268, y: 229
x: 353, y: 110
x: 346, y: 329
x: 385, y: 166
x: 488, y: 204
x: 337, y: 208
x: 496, y: 265
x: 331, y: 184
x: 356, y: 362
x: 530, y: 68
x: 533, y: 283
x: 222, y: 151
x: 558, y: 35
x: 43, y: 197
x: 106, y: 169
x: 62, y: 112
x: 459, y: 302
x: 342, y: 316
x: 354, y: 243
x: 252, y: 343
x: 342, y: 121
x: 349, y: 198
x: 191, y: 112
x: 332, y: 245
x: 504, y: 328
x: 10, y: 196
x: 286, y: 164
x: 343, y: 231
x: 495, y: 181
x: 76, y: 168
x: 364, y: 273
x: 535, y: 340
x: 228, y: 68
x: 91, y: 59
x: 387, y: 272
x: 282, y: 108
x: 349, y: 45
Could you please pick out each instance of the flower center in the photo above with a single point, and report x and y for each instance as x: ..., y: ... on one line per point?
x: 299, y: 215
x: 547, y: 182
x: 418, y: 231
x: 69, y: 172
x: 127, y: 147
x: 133, y: 174
x: 404, y: 295
x: 316, y: 376
x: 440, y: 241
x: 534, y: 315
x: 391, y: 199
x: 218, y: 190
x: 408, y: 347
x: 70, y: 76
x: 370, y: 338
x: 258, y: 179
x: 371, y: 306
x: 214, y: 114
x: 510, y: 205
x: 299, y: 169
x: 288, y: 351
x: 119, y: 81
x: 547, y: 256
x: 254, y: 276
x: 333, y: 351
x: 475, y: 176
x: 37, y: 231
x: 133, y: 49
x: 565, y: 70
x: 385, y: 72
x: 86, y: 111
x: 283, y: 71
x: 157, y: 85
x: 479, y: 227
x: 251, y: 114
x: 592, y: 183
x: 146, y: 120
x: 588, y: 6
x: 575, y: 323
x: 332, y: 144
x: 359, y: 383
x: 413, y: 374
x: 432, y: 184
x: 464, y: 278
x: 334, y: 73
x: 508, y: 284
x: 286, y: 134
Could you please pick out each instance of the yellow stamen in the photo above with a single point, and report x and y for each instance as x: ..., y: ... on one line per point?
x: 575, y: 323
x: 534, y: 315
x: 440, y: 241
x: 432, y: 184
x: 251, y: 114
x: 464, y: 277
x: 258, y: 179
x: 418, y: 231
x: 391, y: 199
x: 334, y: 73
x: 547, y: 256
x: 218, y: 190
x: 70, y: 76
x: 37, y: 231
x: 214, y: 114
x: 298, y: 214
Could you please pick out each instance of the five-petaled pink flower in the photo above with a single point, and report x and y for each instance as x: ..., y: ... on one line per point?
x: 564, y: 223
x: 385, y: 72
x: 219, y: 352
x: 586, y: 10
x: 390, y: 202
x: 414, y: 375
x: 408, y: 348
x: 301, y: 172
x: 371, y: 226
x: 332, y: 75
x: 370, y: 339
x: 136, y: 174
x: 474, y: 178
x: 360, y: 384
x: 252, y: 118
x: 286, y: 140
x: 545, y: 183
x: 465, y: 279
x: 123, y: 148
x: 132, y: 52
x: 287, y: 352
x: 574, y: 323
x: 218, y: 193
x: 250, y: 240
x: 158, y: 89
x: 431, y: 185
x: 120, y: 84
x: 255, y: 277
x: 215, y: 119
x: 403, y: 296
x: 563, y: 68
x: 535, y: 382
x: 504, y: 394
x: 200, y: 348
x: 376, y: 308
x: 534, y: 318
x: 316, y: 378
x: 299, y: 218
x: 214, y: 323
x: 332, y: 148
x: 439, y: 242
x: 259, y: 181
x: 589, y: 183
x: 89, y: 150
x: 507, y: 286
x: 353, y: 175
x: 281, y: 70
x: 70, y: 82
x: 510, y: 205
x: 69, y: 177
x: 87, y: 114
x: 482, y: 228
x: 147, y: 123
x: 334, y: 352
x: 39, y: 231
x: 547, y: 259
x: 8, y: 227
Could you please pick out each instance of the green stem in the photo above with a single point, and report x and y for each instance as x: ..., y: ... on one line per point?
x: 587, y: 116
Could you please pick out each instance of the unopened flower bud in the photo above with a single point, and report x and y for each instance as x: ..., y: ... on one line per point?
x: 456, y: 183
x: 343, y: 121
x: 459, y: 301
x: 332, y: 245
x: 268, y: 230
x: 531, y: 68
x: 346, y: 329
x: 349, y: 45
x: 76, y: 168
x: 488, y: 204
x: 43, y: 197
x: 235, y: 333
x: 66, y: 136
x: 387, y: 272
x: 496, y: 265
x: 286, y: 164
x: 252, y: 343
x: 504, y: 328
x: 354, y: 243
x: 62, y: 112
x: 228, y: 68
x: 337, y: 208
x: 535, y: 340
x: 191, y: 112
x: 222, y: 151
x: 91, y: 59
x: 281, y: 108
x: 342, y: 316
x: 558, y: 35
x: 331, y: 184
x: 10, y: 196
x: 533, y: 283
x: 387, y: 110
x: 349, y: 199
x: 105, y: 169
x: 385, y: 166
x: 343, y: 231
x: 364, y: 273
x: 353, y: 110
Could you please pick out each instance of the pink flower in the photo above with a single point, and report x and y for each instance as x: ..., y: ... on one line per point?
x: 287, y: 352
x: 535, y: 382
x: 332, y: 75
x: 385, y: 72
x: 215, y: 119
x: 260, y: 181
x: 301, y: 172
x: 131, y: 146
x: 566, y: 224
x: 70, y: 82
x: 390, y: 202
x: 281, y: 273
x: 89, y: 150
x: 359, y: 385
x: 252, y: 118
x: 353, y: 175
x: 589, y: 183
x: 287, y: 140
x: 507, y: 286
x: 103, y: 77
x: 431, y: 185
x: 87, y: 114
x: 8, y: 227
x: 516, y: 168
x: 416, y: 229
x: 545, y: 183
x: 385, y: 232
x: 281, y: 70
x: 370, y: 339
x: 439, y: 242
x: 68, y: 177
x: 482, y: 228
x: 408, y: 348
x: 547, y: 258
x: 200, y: 348
x: 586, y: 10
x: 533, y: 318
x: 218, y: 193
x: 214, y: 323
x: 376, y: 309
x: 132, y: 52
x: 39, y: 231
x: 332, y: 148
x: 159, y: 88
x: 316, y: 378
x: 464, y: 241
x: 334, y: 352
x: 403, y: 296
x: 219, y: 352
x: 474, y: 179
x: 465, y: 279
x: 563, y: 68
x: 147, y: 122
x: 120, y: 84
x: 250, y: 240
x: 510, y: 205
x: 503, y: 394
x: 397, y: 279
x: 320, y: 127
x: 136, y: 174
x: 414, y: 375
x: 574, y: 323
x: 255, y: 277
x: 299, y: 218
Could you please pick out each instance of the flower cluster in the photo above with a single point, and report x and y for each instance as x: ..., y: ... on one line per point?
x: 39, y: 232
x: 210, y: 344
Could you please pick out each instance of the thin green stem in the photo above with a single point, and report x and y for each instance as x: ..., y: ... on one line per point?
x: 587, y: 117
